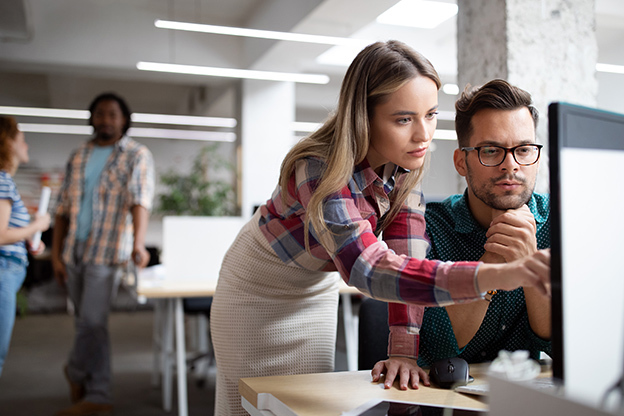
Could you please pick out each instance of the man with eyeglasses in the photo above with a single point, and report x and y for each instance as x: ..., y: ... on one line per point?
x: 499, y: 218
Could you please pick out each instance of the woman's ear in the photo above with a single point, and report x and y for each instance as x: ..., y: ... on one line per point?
x: 459, y: 159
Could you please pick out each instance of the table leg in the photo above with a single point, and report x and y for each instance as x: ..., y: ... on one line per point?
x: 181, y: 359
x: 167, y: 355
x: 158, y: 331
x: 350, y: 328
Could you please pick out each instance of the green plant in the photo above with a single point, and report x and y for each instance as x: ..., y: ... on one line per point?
x: 196, y: 193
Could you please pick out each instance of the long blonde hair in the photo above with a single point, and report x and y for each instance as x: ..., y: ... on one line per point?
x: 342, y: 142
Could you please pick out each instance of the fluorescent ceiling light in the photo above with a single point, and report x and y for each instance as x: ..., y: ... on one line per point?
x: 55, y: 128
x: 233, y: 73
x: 338, y: 55
x: 136, y: 117
x: 450, y: 89
x: 614, y: 69
x: 45, y: 112
x: 441, y: 134
x: 184, y: 120
x: 305, y: 127
x: 418, y: 13
x: 256, y: 33
x: 214, y: 136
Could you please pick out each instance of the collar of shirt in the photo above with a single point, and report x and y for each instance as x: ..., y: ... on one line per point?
x: 364, y: 176
x: 465, y: 222
x: 120, y: 144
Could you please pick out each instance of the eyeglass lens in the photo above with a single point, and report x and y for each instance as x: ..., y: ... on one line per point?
x: 494, y: 155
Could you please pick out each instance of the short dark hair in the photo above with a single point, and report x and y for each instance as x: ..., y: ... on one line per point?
x: 497, y: 94
x: 109, y: 96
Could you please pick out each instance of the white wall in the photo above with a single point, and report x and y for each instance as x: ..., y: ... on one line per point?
x: 268, y: 110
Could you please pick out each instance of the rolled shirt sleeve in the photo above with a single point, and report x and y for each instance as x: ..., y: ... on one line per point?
x: 141, y: 186
x: 383, y: 269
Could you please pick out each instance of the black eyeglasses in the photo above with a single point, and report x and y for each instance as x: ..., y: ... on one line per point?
x: 524, y: 155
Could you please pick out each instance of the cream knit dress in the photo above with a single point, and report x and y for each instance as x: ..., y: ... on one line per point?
x: 283, y: 324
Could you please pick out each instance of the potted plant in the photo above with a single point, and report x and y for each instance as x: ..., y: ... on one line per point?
x: 199, y: 193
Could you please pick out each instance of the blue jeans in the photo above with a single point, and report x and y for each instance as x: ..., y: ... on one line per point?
x: 12, y: 274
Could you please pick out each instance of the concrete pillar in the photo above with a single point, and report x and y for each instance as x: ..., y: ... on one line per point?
x: 547, y: 47
x: 267, y: 115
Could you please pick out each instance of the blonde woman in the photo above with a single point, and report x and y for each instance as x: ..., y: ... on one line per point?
x: 348, y: 200
x: 15, y: 229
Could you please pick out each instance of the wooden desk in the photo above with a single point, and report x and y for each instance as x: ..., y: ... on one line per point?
x: 330, y: 394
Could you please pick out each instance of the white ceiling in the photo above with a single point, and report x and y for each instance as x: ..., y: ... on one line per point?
x: 67, y: 51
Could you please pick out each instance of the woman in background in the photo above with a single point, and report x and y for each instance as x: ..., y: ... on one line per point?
x: 16, y: 230
x: 348, y: 200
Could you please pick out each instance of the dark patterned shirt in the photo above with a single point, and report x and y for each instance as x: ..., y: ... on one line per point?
x: 455, y: 235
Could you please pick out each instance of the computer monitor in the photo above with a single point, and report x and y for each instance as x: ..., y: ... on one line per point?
x: 587, y: 208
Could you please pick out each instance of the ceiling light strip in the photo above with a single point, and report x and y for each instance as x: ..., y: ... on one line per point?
x: 442, y: 134
x: 184, y: 120
x: 44, y: 112
x: 257, y: 33
x: 211, y: 136
x: 214, y: 136
x: 613, y: 69
x: 55, y: 128
x: 422, y: 14
x: 305, y: 127
x: 226, y: 122
x: 233, y: 73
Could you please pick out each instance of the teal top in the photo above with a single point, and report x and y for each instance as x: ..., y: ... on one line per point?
x: 93, y: 170
x: 455, y: 235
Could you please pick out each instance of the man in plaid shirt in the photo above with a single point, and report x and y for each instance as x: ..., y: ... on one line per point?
x: 101, y: 221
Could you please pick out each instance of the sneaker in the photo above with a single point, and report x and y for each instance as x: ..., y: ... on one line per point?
x: 76, y: 390
x: 85, y: 408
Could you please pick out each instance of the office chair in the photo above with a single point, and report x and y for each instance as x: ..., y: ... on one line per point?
x: 373, y: 333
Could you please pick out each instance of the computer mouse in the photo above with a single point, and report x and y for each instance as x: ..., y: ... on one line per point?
x: 449, y: 372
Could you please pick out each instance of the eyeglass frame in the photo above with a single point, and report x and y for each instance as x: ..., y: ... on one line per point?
x: 507, y: 150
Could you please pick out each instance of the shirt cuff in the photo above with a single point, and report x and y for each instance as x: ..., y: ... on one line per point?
x: 403, y: 341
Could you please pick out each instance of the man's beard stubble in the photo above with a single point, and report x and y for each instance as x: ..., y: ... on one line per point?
x: 505, y: 201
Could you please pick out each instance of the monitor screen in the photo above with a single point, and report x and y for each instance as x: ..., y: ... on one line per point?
x: 587, y: 184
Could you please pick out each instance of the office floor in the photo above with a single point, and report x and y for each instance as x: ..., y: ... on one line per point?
x: 32, y: 383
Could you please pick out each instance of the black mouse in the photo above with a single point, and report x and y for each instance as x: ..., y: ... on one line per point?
x: 449, y: 372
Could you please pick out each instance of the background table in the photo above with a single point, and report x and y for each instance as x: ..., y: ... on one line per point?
x: 169, y: 315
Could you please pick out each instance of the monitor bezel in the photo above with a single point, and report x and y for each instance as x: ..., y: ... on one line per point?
x: 558, y: 113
